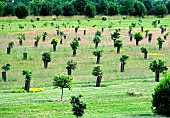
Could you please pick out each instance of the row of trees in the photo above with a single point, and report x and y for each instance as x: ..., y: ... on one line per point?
x: 85, y: 7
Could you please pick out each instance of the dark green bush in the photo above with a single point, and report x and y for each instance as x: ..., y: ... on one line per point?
x: 161, y: 98
x: 21, y: 11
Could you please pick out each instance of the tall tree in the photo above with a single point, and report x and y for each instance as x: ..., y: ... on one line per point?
x: 79, y: 6
x: 21, y: 11
x: 113, y: 9
x: 90, y: 10
x: 68, y: 9
x: 140, y: 9
x: 102, y: 7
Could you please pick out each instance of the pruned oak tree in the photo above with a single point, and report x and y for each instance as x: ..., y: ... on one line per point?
x: 123, y: 62
x: 160, y: 42
x: 71, y: 65
x: 28, y: 75
x: 96, y: 40
x: 115, y: 36
x: 10, y: 45
x: 118, y: 44
x: 46, y: 57
x: 98, y: 53
x: 37, y: 39
x: 144, y: 50
x: 21, y: 37
x: 74, y: 45
x: 5, y: 68
x: 158, y: 66
x: 138, y: 37
x: 54, y: 42
x: 97, y: 72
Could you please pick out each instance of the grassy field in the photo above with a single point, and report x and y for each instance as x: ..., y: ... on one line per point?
x: 110, y: 100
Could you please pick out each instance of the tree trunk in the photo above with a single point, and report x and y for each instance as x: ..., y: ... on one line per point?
x: 146, y: 35
x: 165, y: 37
x: 102, y: 29
x: 141, y: 29
x: 98, y: 81
x: 162, y: 30
x: 131, y: 38
x: 36, y: 44
x: 79, y: 39
x: 145, y: 55
x: 62, y: 93
x: 160, y: 46
x: 130, y: 32
x: 122, y: 67
x: 74, y: 52
x: 149, y: 39
x: 4, y: 76
x: 76, y: 30
x: 98, y: 60
x: 58, y: 32
x: 45, y: 64
x: 137, y: 42
x: 54, y: 48
x: 84, y: 32
x: 20, y: 42
x: 65, y: 36
x: 25, y: 56
x: 43, y: 38
x: 61, y: 41
x: 69, y: 71
x: 27, y: 85
x: 8, y: 50
x: 156, y: 76
x: 96, y: 45
x: 118, y: 50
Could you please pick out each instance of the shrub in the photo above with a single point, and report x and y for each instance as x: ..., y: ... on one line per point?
x: 161, y: 98
x: 21, y: 11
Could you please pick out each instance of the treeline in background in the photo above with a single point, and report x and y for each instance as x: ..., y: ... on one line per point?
x: 89, y: 8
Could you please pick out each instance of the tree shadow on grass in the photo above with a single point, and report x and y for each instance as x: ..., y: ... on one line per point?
x: 148, y: 116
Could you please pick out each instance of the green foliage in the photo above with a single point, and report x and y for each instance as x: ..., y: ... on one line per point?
x: 6, y: 67
x: 161, y: 98
x: 11, y: 44
x: 68, y: 9
x: 160, y: 9
x: 138, y: 36
x: 46, y: 9
x: 124, y: 58
x: 118, y: 43
x: 74, y: 44
x: 127, y: 7
x: 115, y: 35
x: 140, y: 9
x: 97, y: 71
x: 1, y: 8
x: 21, y: 11
x: 144, y: 50
x: 96, y: 39
x: 9, y: 9
x: 37, y: 38
x: 158, y: 66
x: 98, y: 33
x: 146, y: 31
x: 160, y: 41
x: 54, y: 41
x: 63, y: 81
x: 46, y: 57
x: 98, y: 53
x: 113, y: 9
x: 27, y: 74
x: 90, y: 10
x: 102, y: 7
x: 79, y: 6
x: 21, y: 36
x: 78, y: 106
x: 71, y: 65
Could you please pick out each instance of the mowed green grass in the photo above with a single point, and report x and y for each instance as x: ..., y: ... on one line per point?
x: 110, y: 100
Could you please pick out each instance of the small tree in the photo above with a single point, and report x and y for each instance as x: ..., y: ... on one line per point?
x: 118, y: 43
x: 71, y: 65
x: 138, y: 37
x: 21, y: 37
x: 146, y: 33
x: 165, y: 36
x: 28, y: 75
x: 160, y: 42
x: 149, y: 37
x: 158, y: 67
x: 123, y: 62
x: 10, y: 45
x: 115, y: 36
x: 74, y: 45
x: 96, y: 40
x: 97, y: 72
x: 78, y: 106
x: 44, y: 35
x: 98, y: 53
x: 161, y: 98
x: 62, y: 81
x: 46, y: 57
x: 37, y: 39
x: 145, y: 51
x: 54, y: 42
x: 5, y: 68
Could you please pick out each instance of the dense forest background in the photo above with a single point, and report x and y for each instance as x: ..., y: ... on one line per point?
x: 90, y: 8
